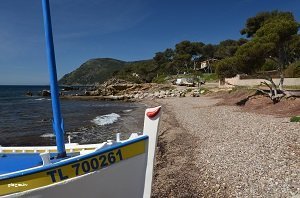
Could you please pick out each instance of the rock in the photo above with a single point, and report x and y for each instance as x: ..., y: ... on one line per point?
x: 181, y: 94
x: 195, y: 93
x: 111, y: 97
x: 91, y: 93
x: 156, y: 94
x: 46, y: 93
x: 29, y: 93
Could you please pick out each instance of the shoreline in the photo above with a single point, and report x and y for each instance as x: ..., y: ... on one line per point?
x: 235, y: 153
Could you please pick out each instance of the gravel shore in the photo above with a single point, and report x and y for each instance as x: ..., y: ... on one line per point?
x: 219, y: 151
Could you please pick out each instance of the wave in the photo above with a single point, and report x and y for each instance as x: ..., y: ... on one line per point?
x: 40, y: 99
x: 106, y: 119
x: 48, y: 135
x: 127, y: 110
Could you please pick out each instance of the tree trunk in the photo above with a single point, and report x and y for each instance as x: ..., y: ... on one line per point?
x: 273, y: 94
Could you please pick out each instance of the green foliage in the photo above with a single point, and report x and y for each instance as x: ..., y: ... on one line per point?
x: 253, y: 24
x: 208, y: 51
x: 139, y: 71
x: 294, y: 48
x: 209, y: 77
x: 92, y: 71
x: 227, y: 48
x: 203, y: 91
x: 228, y: 67
x: 272, y: 33
x: 295, y: 119
x: 269, y: 65
x: 274, y: 43
x: 293, y: 70
x: 189, y: 90
x: 160, y: 79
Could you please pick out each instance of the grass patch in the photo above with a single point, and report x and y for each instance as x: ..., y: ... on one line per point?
x: 203, y: 90
x: 210, y: 77
x: 295, y: 119
x: 161, y: 79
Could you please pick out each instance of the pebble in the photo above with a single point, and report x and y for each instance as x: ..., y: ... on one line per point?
x: 254, y: 155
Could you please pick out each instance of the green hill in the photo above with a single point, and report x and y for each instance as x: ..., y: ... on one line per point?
x: 93, y: 71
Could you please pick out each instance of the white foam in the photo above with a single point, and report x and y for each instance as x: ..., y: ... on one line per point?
x: 106, y: 119
x: 48, y: 135
x: 40, y: 99
x: 127, y: 110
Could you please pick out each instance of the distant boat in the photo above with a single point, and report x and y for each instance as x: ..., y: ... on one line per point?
x: 115, y: 168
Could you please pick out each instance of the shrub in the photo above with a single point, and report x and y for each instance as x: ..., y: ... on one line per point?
x: 227, y: 67
x: 161, y: 79
x: 293, y: 70
x: 269, y: 65
x: 210, y: 77
x: 295, y: 119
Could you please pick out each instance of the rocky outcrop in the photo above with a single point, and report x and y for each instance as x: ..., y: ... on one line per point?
x: 46, y: 93
x: 116, y: 89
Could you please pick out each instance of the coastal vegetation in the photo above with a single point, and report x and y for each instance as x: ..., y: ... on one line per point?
x: 92, y: 71
x: 271, y: 42
x: 295, y: 119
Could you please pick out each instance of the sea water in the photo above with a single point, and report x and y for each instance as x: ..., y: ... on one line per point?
x: 27, y: 120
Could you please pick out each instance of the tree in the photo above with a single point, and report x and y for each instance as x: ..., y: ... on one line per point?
x: 187, y: 53
x: 294, y: 49
x: 228, y: 48
x: 163, y: 61
x: 169, y: 54
x: 275, y: 37
x: 229, y: 67
x: 272, y: 36
x: 208, y: 51
x: 255, y: 23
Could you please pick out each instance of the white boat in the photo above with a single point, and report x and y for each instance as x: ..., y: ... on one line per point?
x: 116, y: 168
x: 112, y: 169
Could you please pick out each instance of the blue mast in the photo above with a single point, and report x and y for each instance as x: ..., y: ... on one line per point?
x: 57, y: 118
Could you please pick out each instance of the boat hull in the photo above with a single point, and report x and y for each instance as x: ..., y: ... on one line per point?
x: 111, y: 169
x: 114, y: 170
x: 124, y: 179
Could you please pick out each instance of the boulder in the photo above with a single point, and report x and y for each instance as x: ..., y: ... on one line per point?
x: 46, y: 93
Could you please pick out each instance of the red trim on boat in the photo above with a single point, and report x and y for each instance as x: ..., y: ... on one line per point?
x: 152, y: 112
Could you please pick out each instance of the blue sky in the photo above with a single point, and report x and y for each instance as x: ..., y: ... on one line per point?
x: 122, y: 29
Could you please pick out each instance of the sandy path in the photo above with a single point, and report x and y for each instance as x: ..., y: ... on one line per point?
x: 218, y: 151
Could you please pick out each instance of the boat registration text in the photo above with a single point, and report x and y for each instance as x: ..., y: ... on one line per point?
x: 84, y: 165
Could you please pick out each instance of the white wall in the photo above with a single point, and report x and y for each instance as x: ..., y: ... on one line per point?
x: 254, y: 82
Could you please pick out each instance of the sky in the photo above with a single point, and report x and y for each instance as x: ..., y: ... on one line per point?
x: 127, y: 30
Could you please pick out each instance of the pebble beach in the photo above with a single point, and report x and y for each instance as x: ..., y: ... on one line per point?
x: 205, y: 150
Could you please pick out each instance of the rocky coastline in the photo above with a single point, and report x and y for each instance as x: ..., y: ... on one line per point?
x: 121, y: 90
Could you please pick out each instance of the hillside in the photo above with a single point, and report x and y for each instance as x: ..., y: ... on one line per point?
x: 93, y: 71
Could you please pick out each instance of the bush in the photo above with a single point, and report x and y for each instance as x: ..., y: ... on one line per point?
x: 293, y: 70
x: 269, y: 65
x: 161, y: 79
x: 295, y: 119
x: 210, y: 77
x: 227, y: 68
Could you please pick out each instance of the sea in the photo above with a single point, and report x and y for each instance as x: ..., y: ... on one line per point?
x: 27, y: 120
